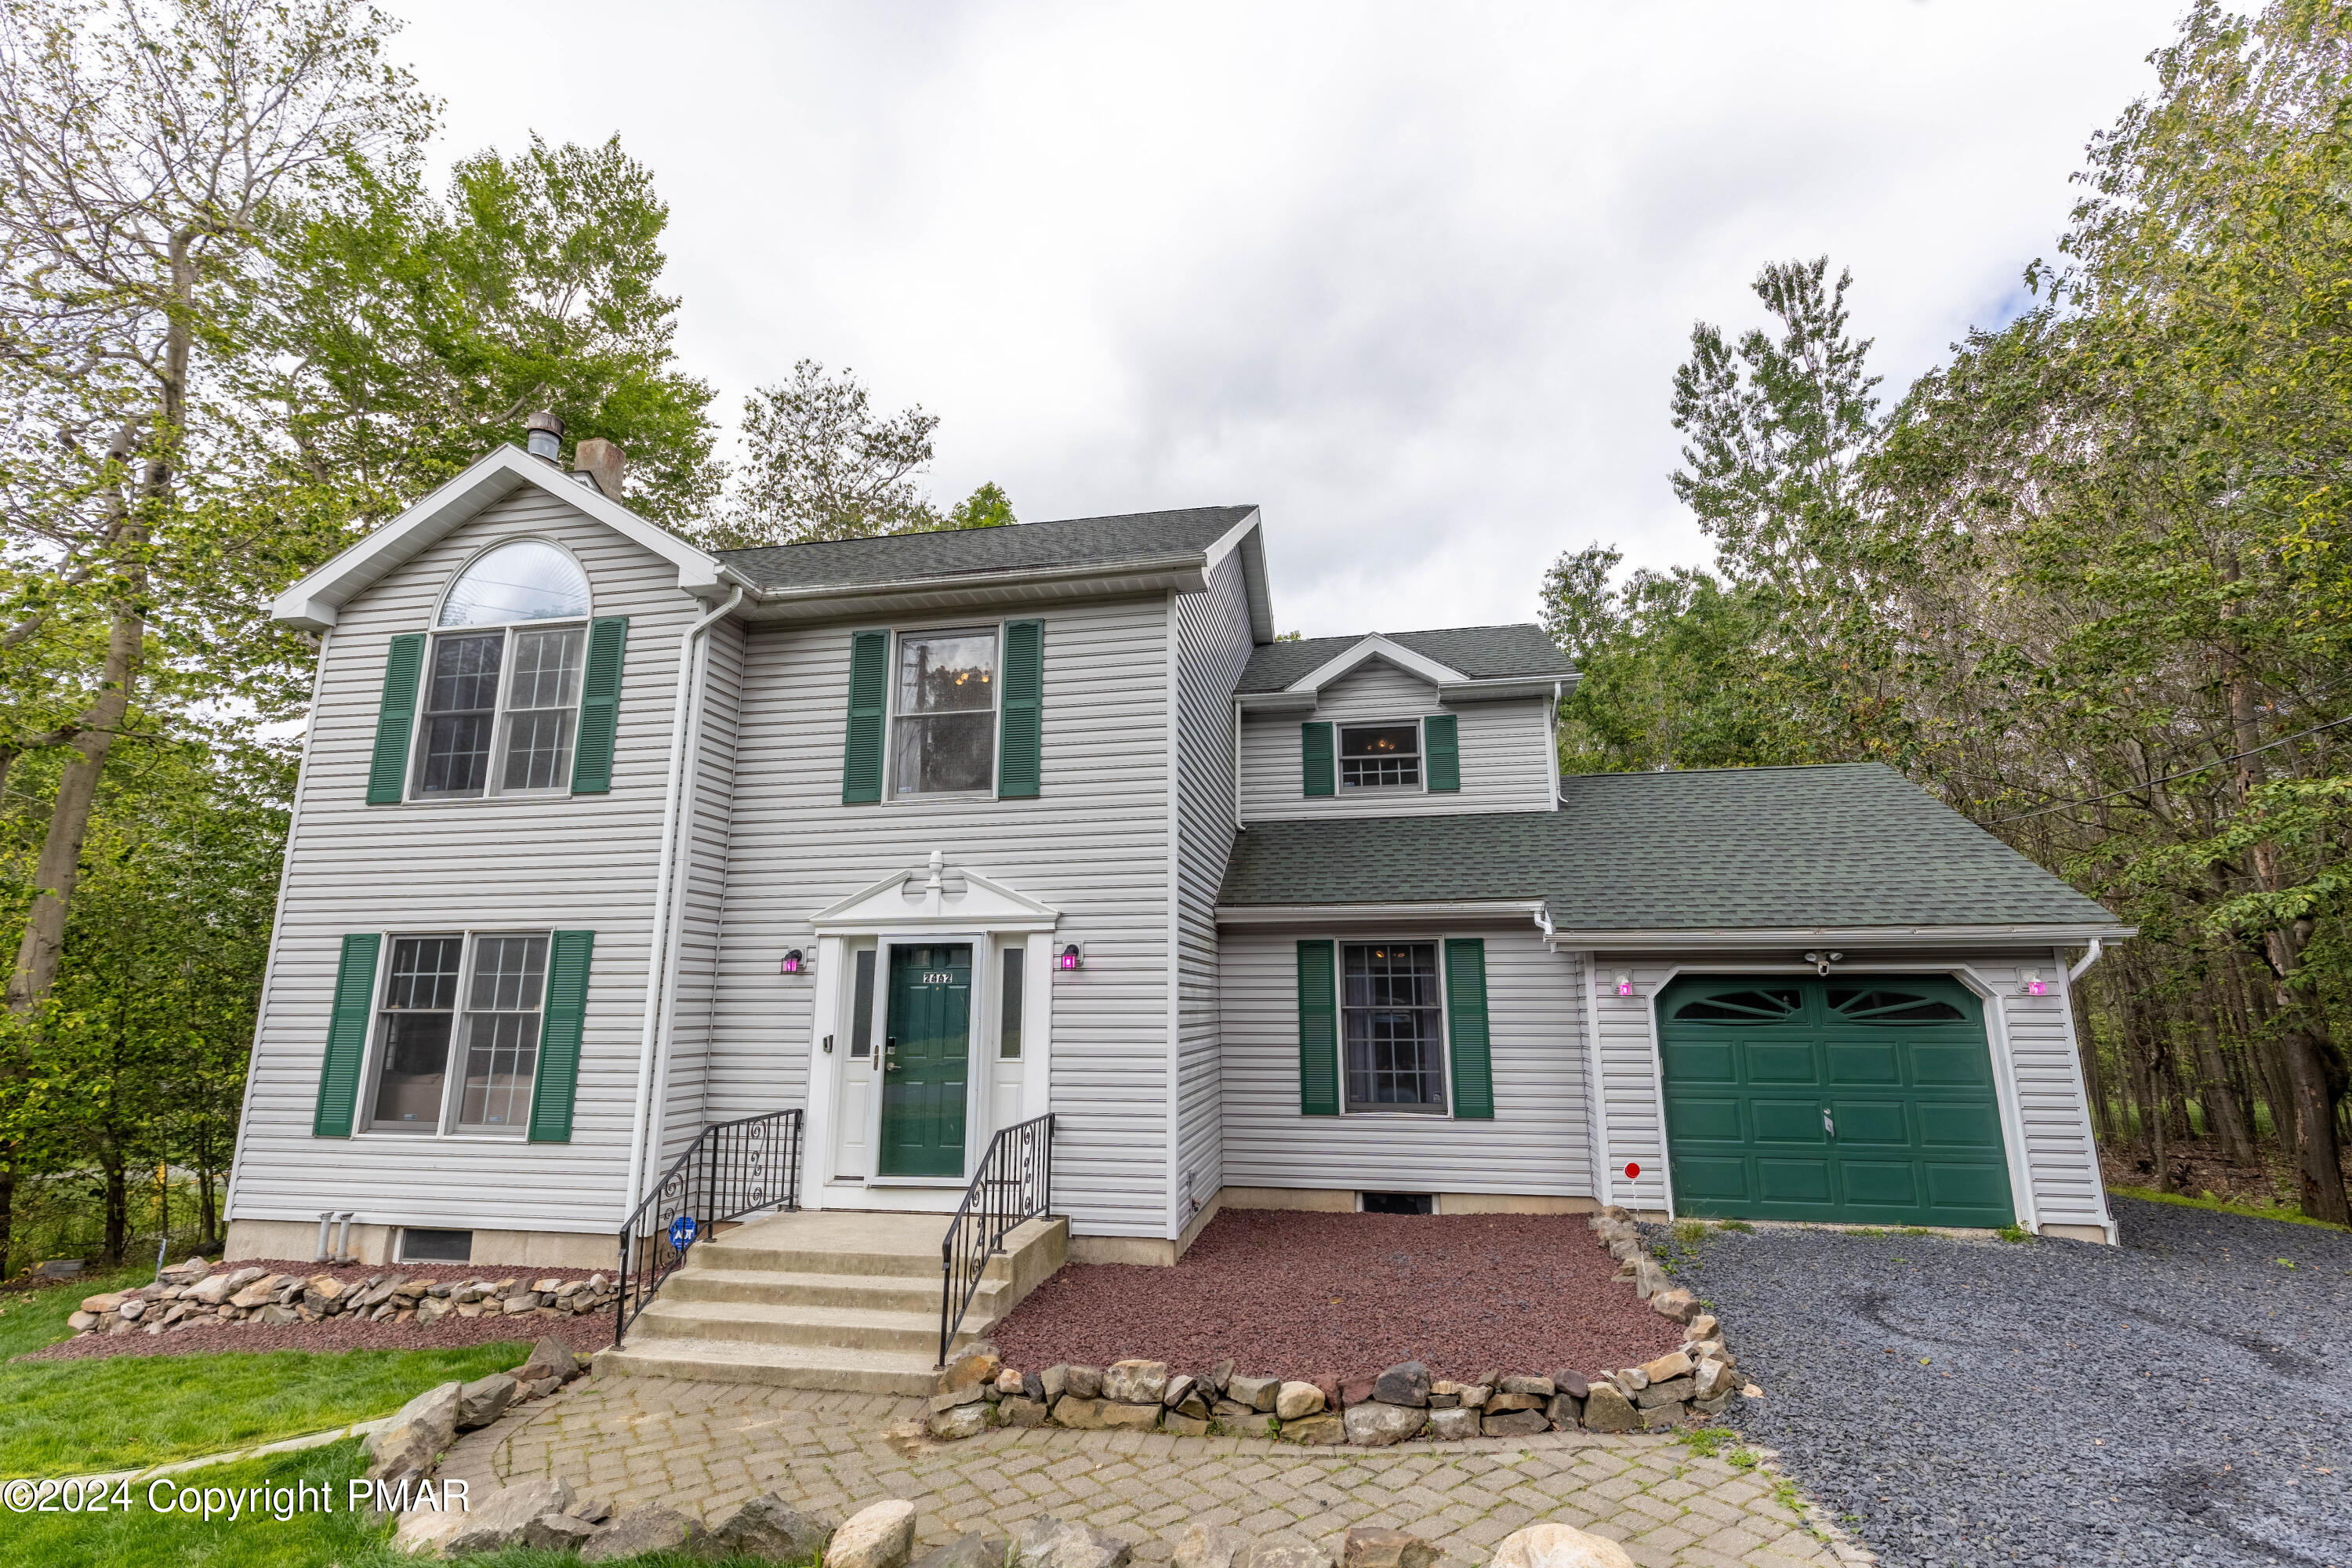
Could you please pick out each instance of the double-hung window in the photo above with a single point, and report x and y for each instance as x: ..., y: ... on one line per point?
x: 1392, y: 1026
x: 1380, y: 757
x: 943, y: 712
x: 501, y: 707
x: 478, y: 999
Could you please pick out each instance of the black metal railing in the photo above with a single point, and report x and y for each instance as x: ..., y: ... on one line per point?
x: 732, y: 1169
x: 1014, y: 1184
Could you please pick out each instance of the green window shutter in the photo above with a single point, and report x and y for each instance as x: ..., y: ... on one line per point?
x: 347, y: 1033
x: 1466, y: 1022
x: 1024, y: 717
x: 1315, y: 754
x: 559, y: 1035
x: 1442, y: 738
x: 388, y: 770
x: 600, y: 706
x: 1318, y: 1032
x: 870, y: 684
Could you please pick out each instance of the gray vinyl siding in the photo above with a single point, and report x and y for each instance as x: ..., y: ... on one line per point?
x: 587, y: 862
x: 2036, y: 1033
x: 1213, y: 645
x: 1506, y: 755
x: 1093, y: 846
x: 709, y: 811
x: 1535, y: 1145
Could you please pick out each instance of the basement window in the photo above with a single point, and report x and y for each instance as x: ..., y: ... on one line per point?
x: 1398, y: 1203
x: 435, y: 1246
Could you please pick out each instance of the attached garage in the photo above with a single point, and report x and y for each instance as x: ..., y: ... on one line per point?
x: 1865, y: 1099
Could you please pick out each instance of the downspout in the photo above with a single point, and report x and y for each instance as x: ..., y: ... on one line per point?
x: 2089, y: 958
x: 657, y: 940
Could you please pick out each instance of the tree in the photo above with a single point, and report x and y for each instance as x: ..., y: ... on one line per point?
x: 823, y: 465
x: 987, y: 507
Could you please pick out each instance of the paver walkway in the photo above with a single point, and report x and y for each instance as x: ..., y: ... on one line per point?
x: 704, y: 1447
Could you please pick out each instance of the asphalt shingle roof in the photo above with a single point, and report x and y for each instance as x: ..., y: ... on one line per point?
x: 1848, y: 845
x: 1479, y: 652
x: 1138, y: 537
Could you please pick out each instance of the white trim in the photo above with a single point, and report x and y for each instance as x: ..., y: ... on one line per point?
x: 2024, y: 1202
x: 1375, y: 645
x: 1511, y: 909
x: 1843, y: 936
x: 1552, y: 743
x: 892, y: 716
x: 2081, y: 1087
x: 1342, y: 790
x: 314, y: 602
x: 1172, y: 694
x: 871, y: 910
x: 1602, y: 1159
x: 501, y: 715
x: 446, y: 1123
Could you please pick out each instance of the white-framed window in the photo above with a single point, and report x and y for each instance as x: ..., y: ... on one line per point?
x: 943, y: 694
x: 1380, y: 756
x: 457, y: 1031
x: 501, y: 683
x: 1391, y: 1027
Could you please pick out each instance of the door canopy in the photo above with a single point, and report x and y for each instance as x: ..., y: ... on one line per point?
x: 934, y: 897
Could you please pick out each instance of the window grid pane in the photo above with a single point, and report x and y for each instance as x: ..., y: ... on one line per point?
x: 944, y: 711
x: 1374, y: 757
x: 502, y: 1008
x: 413, y: 1031
x: 460, y: 702
x: 1389, y: 1007
x: 543, y: 708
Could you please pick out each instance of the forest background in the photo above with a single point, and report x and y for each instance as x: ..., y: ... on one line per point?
x: 2086, y: 582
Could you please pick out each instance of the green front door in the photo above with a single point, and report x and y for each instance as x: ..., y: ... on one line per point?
x: 925, y: 1060
x: 1865, y: 1100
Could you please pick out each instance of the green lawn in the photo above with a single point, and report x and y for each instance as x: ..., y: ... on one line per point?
x: 2285, y: 1214
x: 83, y: 1417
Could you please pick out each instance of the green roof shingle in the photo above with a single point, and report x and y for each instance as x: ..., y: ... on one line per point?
x: 1846, y: 845
x: 1143, y: 536
x: 1481, y: 653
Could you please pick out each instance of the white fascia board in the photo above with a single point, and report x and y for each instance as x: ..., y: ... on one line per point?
x: 1500, y: 687
x: 1181, y: 574
x: 1837, y: 936
x: 1248, y: 537
x: 314, y: 602
x: 1375, y: 645
x: 1335, y: 914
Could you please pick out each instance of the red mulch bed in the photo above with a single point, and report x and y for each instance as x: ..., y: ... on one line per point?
x: 1343, y: 1295
x: 582, y: 1331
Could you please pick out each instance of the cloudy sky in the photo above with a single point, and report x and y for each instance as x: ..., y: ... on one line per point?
x: 1414, y: 278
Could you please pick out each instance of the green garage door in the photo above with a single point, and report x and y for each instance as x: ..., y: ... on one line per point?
x: 1867, y: 1101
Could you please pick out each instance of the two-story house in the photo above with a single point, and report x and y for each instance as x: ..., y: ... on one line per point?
x: 601, y: 838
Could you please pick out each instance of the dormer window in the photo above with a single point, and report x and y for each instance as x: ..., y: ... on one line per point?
x: 943, y: 712
x: 501, y: 706
x: 1380, y: 757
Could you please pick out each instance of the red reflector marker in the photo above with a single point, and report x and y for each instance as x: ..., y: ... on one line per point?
x: 1632, y: 1170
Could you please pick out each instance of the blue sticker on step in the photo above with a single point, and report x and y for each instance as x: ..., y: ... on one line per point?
x: 681, y: 1233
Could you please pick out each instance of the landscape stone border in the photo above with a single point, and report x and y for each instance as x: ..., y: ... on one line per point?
x: 977, y: 1390
x: 200, y: 1294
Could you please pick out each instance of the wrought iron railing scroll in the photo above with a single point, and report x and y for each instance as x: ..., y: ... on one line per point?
x: 732, y: 1169
x: 1014, y: 1184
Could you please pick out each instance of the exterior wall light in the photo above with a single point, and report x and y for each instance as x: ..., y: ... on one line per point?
x: 2034, y: 985
x: 1624, y: 984
x: 795, y: 962
x: 1073, y: 955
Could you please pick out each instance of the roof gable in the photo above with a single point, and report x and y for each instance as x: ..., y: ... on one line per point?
x: 314, y: 602
x: 1464, y: 653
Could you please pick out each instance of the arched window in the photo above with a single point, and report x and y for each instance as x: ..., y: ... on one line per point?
x: 528, y: 580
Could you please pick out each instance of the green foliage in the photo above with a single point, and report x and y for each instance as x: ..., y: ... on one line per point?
x: 139, y: 1535
x: 987, y: 507
x: 2016, y: 1233
x: 2283, y: 1214
x: 821, y: 464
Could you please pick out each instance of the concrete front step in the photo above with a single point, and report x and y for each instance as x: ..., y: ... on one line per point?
x: 834, y: 1300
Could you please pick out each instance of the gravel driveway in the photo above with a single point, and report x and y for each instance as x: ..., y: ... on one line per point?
x: 2183, y: 1399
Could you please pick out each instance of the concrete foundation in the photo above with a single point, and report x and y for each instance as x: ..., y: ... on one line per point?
x: 377, y: 1243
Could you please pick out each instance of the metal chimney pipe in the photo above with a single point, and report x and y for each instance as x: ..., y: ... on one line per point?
x: 343, y: 1241
x: 326, y: 1223
x: 545, y: 437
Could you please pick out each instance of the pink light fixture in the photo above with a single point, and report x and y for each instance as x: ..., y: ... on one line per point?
x: 1624, y: 984
x: 1072, y: 956
x: 794, y: 963
x: 2034, y: 985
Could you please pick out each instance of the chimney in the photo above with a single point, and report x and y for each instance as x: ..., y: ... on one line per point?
x: 603, y: 462
x: 546, y: 437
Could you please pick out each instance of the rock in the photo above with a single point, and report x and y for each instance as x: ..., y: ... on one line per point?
x: 1180, y: 1389
x: 974, y: 1550
x: 80, y: 1321
x: 1674, y: 1391
x: 547, y: 1286
x: 1504, y: 1403
x: 1010, y: 1383
x: 1672, y: 1365
x: 1677, y: 1303
x: 1078, y: 1414
x: 420, y: 1430
x: 422, y: 1530
x: 1514, y: 1424
x: 1557, y: 1546
x: 1119, y: 1416
x: 558, y: 1532
x: 1572, y: 1384
x: 131, y: 1311
x: 1702, y: 1327
x: 1709, y: 1350
x: 550, y: 1357
x: 1195, y: 1404
x: 769, y: 1527
x: 1257, y: 1393
x: 1658, y: 1417
x: 879, y: 1536
x: 644, y: 1530
x: 1286, y: 1552
x: 212, y: 1290
x: 484, y: 1400
x: 958, y: 1421
x: 1021, y: 1412
x: 1475, y: 1396
x: 977, y: 1362
x: 326, y: 1288
x: 1213, y: 1546
x: 1710, y: 1380
x: 99, y: 1306
x: 1564, y: 1410
x: 1353, y: 1390
x: 1649, y: 1280
x: 1541, y: 1387
x: 1445, y: 1425
x: 1294, y: 1400
x: 1329, y: 1388
x: 1049, y: 1543
x: 948, y: 1399
x: 495, y: 1519
x: 1710, y: 1408
x: 1314, y: 1430
x: 1184, y: 1425
x: 1376, y: 1425
x: 1377, y: 1546
x: 1053, y: 1382
x: 1085, y: 1382
x: 537, y: 1389
x: 1135, y: 1382
x: 1407, y: 1383
x: 430, y: 1311
x: 1633, y: 1379
x: 1607, y: 1410
x: 595, y: 1509
x: 1217, y: 1376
